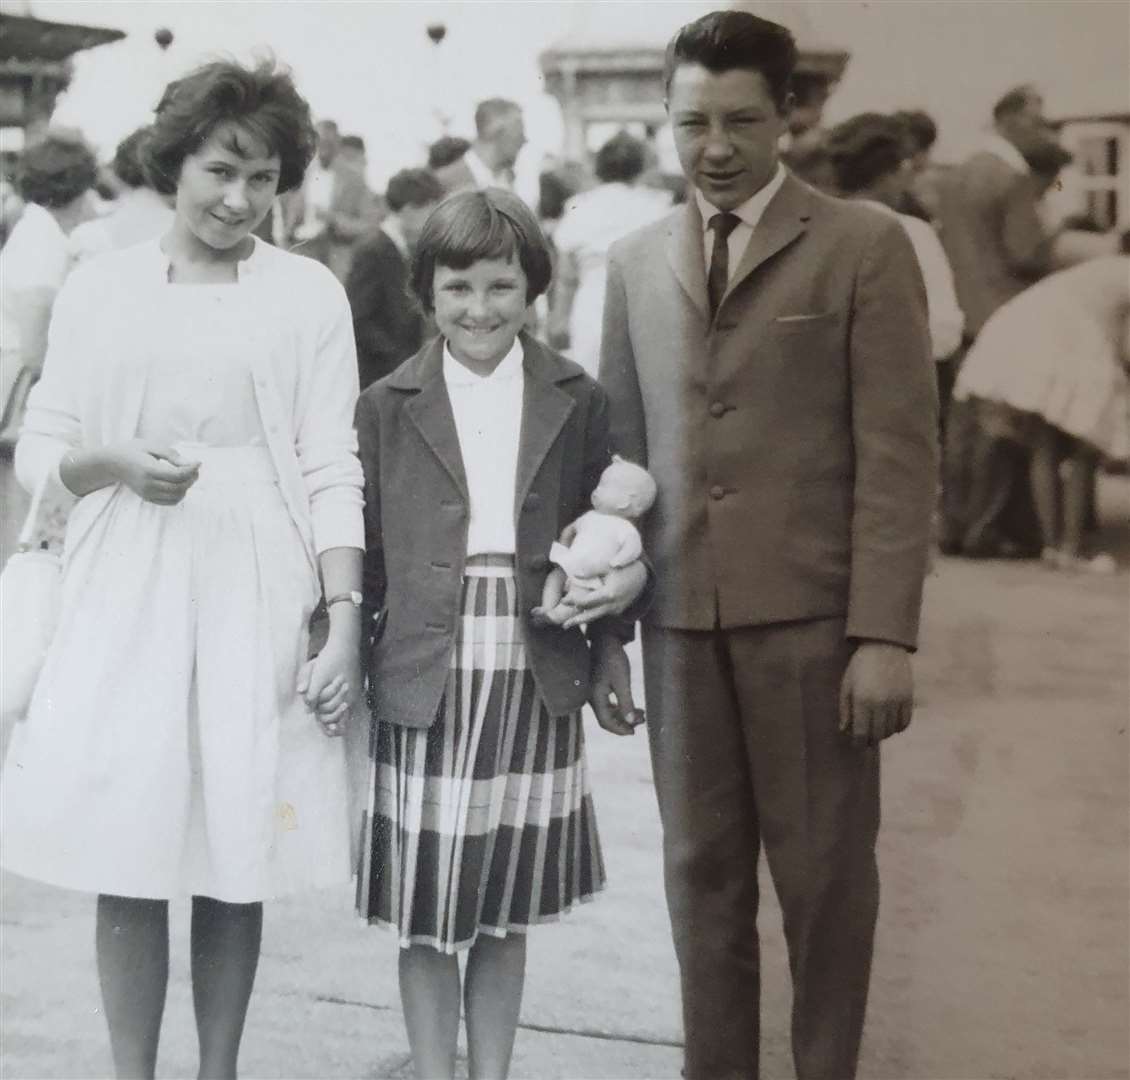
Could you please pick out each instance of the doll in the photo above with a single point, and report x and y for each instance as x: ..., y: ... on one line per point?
x: 600, y: 540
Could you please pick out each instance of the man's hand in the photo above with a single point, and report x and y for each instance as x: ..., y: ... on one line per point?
x: 610, y: 688
x: 877, y: 694
x: 620, y: 588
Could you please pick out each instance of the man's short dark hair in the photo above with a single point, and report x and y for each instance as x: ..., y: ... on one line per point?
x: 1015, y: 101
x: 413, y: 187
x: 55, y: 171
x: 353, y: 142
x: 621, y: 158
x: 486, y: 112
x: 864, y: 149
x: 473, y: 225
x: 261, y: 101
x: 736, y: 40
x: 921, y: 131
x: 446, y: 149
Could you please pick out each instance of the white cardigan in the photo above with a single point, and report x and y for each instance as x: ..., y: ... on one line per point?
x: 305, y: 375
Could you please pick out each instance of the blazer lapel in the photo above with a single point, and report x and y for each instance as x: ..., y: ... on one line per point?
x: 430, y: 410
x: 685, y: 254
x: 785, y: 218
x: 545, y: 409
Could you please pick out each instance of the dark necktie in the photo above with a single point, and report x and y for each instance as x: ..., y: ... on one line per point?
x: 719, y: 275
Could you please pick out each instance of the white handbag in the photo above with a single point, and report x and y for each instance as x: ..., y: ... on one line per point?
x: 30, y: 594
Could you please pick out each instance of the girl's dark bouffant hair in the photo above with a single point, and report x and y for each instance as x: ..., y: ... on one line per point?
x: 473, y: 225
x: 262, y: 101
x: 56, y: 171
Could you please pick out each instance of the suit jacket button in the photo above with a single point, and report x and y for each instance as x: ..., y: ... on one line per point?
x: 532, y: 500
x: 717, y: 409
x: 539, y: 562
x: 717, y: 492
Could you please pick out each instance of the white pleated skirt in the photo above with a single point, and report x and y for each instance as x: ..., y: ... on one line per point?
x: 166, y: 752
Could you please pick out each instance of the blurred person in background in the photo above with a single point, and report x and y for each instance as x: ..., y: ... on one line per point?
x: 197, y: 398
x: 489, y: 161
x: 868, y: 154
x: 1048, y: 374
x: 388, y: 321
x: 332, y: 209
x: 54, y: 180
x: 919, y: 135
x: 446, y: 150
x: 592, y: 222
x: 138, y: 213
x: 11, y: 205
x: 998, y: 244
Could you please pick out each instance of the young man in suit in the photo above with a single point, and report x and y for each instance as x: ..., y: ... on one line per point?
x: 766, y: 355
x: 388, y: 322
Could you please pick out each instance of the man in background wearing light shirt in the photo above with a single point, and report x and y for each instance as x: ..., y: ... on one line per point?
x: 500, y: 134
x: 766, y: 355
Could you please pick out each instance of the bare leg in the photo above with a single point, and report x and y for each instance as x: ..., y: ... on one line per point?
x: 429, y: 992
x: 1076, y: 496
x: 225, y: 956
x: 132, y: 943
x: 1044, y: 473
x: 496, y: 974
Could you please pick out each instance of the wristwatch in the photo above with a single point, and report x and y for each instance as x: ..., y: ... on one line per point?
x: 353, y: 597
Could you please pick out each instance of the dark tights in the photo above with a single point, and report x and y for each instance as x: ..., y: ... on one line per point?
x: 132, y: 938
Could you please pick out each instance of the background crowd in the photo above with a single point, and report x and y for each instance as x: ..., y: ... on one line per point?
x: 1034, y: 412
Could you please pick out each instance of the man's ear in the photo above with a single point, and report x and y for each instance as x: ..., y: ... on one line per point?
x: 788, y: 106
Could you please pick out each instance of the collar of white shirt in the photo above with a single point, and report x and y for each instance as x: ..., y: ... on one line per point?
x: 998, y: 145
x: 392, y: 229
x: 483, y: 174
x: 457, y: 374
x: 751, y: 210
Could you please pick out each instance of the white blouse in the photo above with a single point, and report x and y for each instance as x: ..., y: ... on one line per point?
x: 488, y: 421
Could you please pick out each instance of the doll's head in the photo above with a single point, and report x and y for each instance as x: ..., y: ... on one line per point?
x: 625, y: 490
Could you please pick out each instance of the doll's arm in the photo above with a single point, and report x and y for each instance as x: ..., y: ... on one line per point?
x: 630, y: 549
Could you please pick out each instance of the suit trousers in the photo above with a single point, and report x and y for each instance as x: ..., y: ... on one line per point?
x: 746, y: 751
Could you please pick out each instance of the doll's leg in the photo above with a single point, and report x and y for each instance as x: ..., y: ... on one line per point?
x: 132, y: 944
x: 225, y: 956
x: 429, y: 994
x: 496, y: 974
x: 549, y: 611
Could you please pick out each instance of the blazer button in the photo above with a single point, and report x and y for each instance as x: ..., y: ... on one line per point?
x: 538, y: 562
x: 532, y: 500
x: 717, y: 492
x: 717, y: 409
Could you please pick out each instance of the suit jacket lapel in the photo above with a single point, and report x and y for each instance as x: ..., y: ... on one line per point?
x: 785, y: 218
x: 685, y: 254
x: 430, y: 410
x: 545, y: 409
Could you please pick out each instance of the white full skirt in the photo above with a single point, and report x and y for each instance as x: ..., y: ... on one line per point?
x: 166, y: 752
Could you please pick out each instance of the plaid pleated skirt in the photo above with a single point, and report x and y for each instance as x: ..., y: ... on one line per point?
x: 482, y: 823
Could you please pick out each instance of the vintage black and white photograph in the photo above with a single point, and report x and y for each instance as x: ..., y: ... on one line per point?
x: 567, y: 540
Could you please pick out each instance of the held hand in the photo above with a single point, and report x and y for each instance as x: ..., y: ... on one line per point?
x: 621, y: 586
x: 877, y: 694
x: 156, y: 473
x: 329, y: 683
x: 610, y: 690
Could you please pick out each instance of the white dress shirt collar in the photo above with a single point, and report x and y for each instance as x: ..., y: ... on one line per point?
x: 997, y: 144
x: 482, y: 173
x: 752, y: 209
x: 457, y: 374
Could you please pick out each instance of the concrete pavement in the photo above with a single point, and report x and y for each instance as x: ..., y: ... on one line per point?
x: 1004, y: 928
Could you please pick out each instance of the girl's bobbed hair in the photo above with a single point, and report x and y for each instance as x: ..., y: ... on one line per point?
x: 261, y: 101
x: 473, y: 225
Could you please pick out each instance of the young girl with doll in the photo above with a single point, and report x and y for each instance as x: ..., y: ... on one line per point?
x: 478, y: 452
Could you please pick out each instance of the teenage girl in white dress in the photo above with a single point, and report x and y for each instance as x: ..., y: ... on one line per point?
x: 198, y: 398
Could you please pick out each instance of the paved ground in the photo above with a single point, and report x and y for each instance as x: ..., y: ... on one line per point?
x: 1003, y: 939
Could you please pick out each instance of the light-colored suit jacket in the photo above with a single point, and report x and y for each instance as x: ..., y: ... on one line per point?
x: 793, y: 437
x: 991, y: 230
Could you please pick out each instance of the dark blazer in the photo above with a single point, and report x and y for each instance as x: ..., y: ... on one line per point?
x: 793, y: 437
x: 992, y: 233
x: 388, y: 321
x: 417, y: 514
